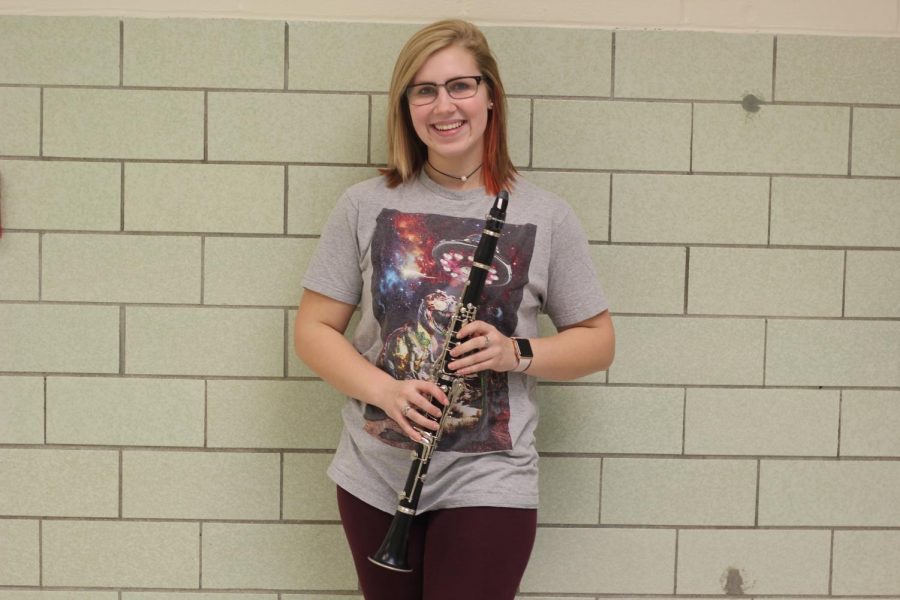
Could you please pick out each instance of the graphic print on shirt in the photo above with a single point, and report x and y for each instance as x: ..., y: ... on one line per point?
x: 420, y: 264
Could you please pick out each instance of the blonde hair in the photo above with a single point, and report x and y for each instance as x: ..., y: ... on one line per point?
x: 406, y: 152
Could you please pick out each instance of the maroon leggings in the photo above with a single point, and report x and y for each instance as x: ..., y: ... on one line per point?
x: 476, y: 553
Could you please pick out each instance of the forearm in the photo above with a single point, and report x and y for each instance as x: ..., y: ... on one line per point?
x: 333, y: 358
x: 574, y: 352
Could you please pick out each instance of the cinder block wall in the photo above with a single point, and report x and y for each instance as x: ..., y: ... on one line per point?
x: 163, y: 184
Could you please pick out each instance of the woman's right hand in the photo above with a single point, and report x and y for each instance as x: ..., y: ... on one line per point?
x: 408, y: 401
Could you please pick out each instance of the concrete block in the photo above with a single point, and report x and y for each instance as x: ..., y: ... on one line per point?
x: 204, y: 341
x: 569, y: 490
x: 681, y: 492
x: 121, y: 268
x: 700, y: 209
x: 758, y: 422
x: 776, y: 139
x: 273, y: 414
x: 548, y: 61
x: 766, y: 281
x: 256, y: 556
x: 288, y: 127
x: 255, y: 271
x: 846, y: 69
x: 125, y: 412
x: 204, y: 198
x: 693, y: 64
x: 642, y: 279
x: 60, y: 195
x: 873, y: 284
x: 203, y: 53
x: 59, y: 483
x: 869, y: 423
x: 21, y: 410
x: 101, y: 123
x: 20, y: 554
x: 200, y: 485
x: 121, y: 554
x: 576, y: 560
x: 580, y: 134
x: 308, y: 492
x: 833, y: 353
x: 835, y: 212
x: 19, y: 266
x: 59, y: 50
x: 829, y: 494
x: 20, y: 121
x: 698, y: 351
x: 41, y: 338
x: 738, y: 562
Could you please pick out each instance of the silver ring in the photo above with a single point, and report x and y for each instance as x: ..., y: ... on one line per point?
x: 487, y: 341
x: 405, y: 410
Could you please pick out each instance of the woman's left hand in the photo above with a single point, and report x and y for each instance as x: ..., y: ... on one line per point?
x: 490, y: 350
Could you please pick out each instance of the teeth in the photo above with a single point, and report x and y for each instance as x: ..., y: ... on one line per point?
x: 448, y: 127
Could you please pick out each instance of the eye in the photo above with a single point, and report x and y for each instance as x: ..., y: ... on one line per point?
x: 424, y: 90
x: 462, y: 86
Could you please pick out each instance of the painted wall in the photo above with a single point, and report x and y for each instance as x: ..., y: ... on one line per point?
x: 164, y: 181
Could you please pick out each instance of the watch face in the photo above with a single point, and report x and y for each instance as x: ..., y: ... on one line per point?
x: 524, y: 348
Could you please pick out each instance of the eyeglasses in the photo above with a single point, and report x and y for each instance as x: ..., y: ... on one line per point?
x: 458, y: 88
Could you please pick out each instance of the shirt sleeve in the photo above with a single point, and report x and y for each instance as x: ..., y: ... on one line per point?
x: 574, y: 292
x: 335, y: 269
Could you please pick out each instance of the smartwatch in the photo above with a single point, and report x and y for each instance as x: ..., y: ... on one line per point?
x: 523, y: 354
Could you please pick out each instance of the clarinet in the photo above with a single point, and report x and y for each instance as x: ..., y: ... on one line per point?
x: 393, y: 551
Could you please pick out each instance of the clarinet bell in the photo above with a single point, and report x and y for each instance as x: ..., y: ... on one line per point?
x: 392, y: 553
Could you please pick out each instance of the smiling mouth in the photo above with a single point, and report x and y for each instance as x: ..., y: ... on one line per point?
x: 448, y: 126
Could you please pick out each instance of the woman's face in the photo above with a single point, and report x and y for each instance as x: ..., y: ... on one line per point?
x: 452, y: 129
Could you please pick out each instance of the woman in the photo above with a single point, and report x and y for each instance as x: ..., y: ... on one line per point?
x: 399, y: 247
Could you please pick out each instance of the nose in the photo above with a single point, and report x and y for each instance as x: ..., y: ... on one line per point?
x: 443, y: 102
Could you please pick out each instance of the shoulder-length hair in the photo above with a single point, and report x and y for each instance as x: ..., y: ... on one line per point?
x: 406, y: 152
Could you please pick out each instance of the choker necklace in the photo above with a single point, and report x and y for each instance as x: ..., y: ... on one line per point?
x: 464, y: 178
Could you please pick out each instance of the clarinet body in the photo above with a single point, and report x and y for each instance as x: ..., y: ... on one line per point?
x: 393, y: 551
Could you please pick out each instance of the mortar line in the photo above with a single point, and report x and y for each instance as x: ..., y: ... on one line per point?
x: 287, y: 54
x: 609, y: 218
x: 612, y: 67
x: 691, y: 143
x: 531, y: 133
x: 850, y: 145
x: 687, y: 272
x: 121, y: 482
x: 765, y: 349
x: 287, y: 184
x: 831, y: 565
x: 122, y: 196
x: 840, y: 420
x: 122, y: 340
x: 769, y: 219
x: 774, y: 63
x: 121, y: 53
x: 205, y: 413
x: 675, y: 568
x: 41, y: 124
x: 205, y: 126
x: 45, y: 410
x: 369, y: 132
x: 758, y: 481
x: 844, y: 286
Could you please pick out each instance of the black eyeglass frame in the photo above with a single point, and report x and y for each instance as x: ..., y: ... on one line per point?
x: 478, y: 79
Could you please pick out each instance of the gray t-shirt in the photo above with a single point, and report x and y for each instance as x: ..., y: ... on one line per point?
x: 402, y: 255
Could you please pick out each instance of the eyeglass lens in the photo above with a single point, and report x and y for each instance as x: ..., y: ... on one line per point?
x: 458, y: 88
